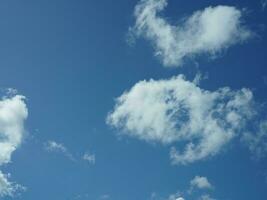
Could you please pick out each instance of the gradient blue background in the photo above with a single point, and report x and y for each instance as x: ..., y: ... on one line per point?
x: 71, y: 59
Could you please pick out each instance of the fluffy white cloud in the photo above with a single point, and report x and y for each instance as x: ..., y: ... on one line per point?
x: 200, y: 182
x: 13, y: 113
x: 175, y: 110
x: 8, y: 188
x: 208, y: 31
x: 90, y: 158
x: 52, y: 146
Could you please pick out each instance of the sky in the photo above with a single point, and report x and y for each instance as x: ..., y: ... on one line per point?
x: 133, y: 100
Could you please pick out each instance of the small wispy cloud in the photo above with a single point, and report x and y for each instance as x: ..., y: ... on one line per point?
x: 257, y: 141
x: 52, y: 146
x: 265, y: 80
x: 105, y: 196
x: 263, y: 4
x: 11, y: 91
x: 206, y: 197
x: 197, y: 183
x: 55, y: 147
x: 90, y: 158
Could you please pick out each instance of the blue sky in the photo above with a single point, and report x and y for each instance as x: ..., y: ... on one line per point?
x: 65, y: 135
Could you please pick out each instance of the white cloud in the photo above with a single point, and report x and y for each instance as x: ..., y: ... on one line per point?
x: 207, y: 31
x: 200, y: 182
x: 13, y: 113
x: 206, y: 197
x: 52, y: 146
x: 257, y: 140
x: 8, y: 188
x: 175, y: 110
x: 90, y: 158
x: 179, y: 198
x: 176, y: 198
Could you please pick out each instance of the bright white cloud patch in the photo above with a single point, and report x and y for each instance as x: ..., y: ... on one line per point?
x: 8, y: 188
x: 208, y: 31
x: 175, y: 198
x: 179, y: 198
x: 200, y: 182
x: 52, y: 146
x: 175, y: 110
x: 13, y: 113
